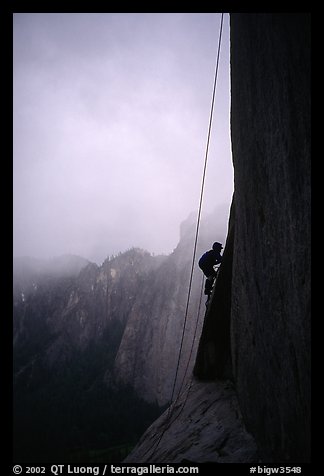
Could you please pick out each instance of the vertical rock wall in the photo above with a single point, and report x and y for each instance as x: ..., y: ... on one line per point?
x: 270, y: 307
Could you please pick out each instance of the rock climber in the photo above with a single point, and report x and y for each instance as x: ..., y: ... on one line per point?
x: 207, y: 262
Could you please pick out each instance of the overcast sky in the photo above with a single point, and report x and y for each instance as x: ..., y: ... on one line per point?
x: 111, y: 117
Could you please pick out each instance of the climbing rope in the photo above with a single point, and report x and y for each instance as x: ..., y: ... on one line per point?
x: 194, y: 248
x: 200, y: 204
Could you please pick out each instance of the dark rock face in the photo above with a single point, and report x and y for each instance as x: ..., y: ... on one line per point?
x: 270, y: 327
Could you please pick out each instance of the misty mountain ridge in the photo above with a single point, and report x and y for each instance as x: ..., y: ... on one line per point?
x: 67, y: 330
x: 28, y: 270
x: 83, y: 331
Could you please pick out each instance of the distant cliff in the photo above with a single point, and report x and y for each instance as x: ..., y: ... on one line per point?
x: 96, y: 347
x: 68, y: 322
x: 256, y: 333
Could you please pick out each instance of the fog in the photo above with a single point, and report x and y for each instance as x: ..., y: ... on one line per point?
x: 111, y: 117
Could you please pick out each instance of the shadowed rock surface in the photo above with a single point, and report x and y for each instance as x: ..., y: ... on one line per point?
x: 270, y: 318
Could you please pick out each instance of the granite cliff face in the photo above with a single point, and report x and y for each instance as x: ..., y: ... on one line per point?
x: 256, y: 332
x: 204, y: 425
x: 270, y: 318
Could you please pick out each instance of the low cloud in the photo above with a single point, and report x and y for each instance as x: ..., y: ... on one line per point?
x: 110, y: 125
